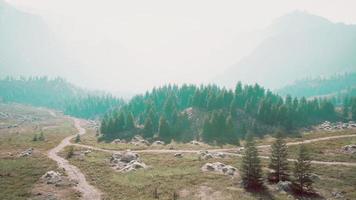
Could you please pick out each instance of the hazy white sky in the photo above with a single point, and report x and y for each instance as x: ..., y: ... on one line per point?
x: 132, y: 45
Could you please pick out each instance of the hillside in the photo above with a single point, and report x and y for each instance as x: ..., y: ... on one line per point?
x: 332, y: 86
x: 298, y: 45
x: 212, y: 114
x: 57, y: 93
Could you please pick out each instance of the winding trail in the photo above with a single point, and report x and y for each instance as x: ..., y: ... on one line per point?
x: 88, y: 191
x: 226, y: 151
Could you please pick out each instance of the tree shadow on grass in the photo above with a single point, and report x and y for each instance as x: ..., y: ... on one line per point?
x: 260, y: 193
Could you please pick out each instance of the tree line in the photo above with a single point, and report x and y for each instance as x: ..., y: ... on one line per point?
x: 58, y: 94
x: 212, y: 114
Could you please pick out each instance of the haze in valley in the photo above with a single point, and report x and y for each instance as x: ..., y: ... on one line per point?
x: 128, y: 47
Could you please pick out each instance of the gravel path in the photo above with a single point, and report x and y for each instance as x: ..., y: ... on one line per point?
x: 88, y: 191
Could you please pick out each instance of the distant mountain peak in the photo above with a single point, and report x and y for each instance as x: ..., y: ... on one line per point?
x: 297, y: 20
x: 299, y: 44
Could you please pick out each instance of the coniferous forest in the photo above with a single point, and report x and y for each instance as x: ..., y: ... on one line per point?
x: 212, y: 114
x: 57, y: 93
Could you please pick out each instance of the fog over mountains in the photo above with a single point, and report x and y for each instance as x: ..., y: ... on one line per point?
x: 28, y: 47
x: 294, y: 46
x: 299, y: 45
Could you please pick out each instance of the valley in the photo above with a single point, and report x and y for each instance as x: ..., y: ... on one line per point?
x: 167, y: 175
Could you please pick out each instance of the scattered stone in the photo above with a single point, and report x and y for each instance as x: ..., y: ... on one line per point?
x: 284, y: 186
x: 195, y: 142
x: 314, y: 177
x: 337, y: 195
x: 27, y: 152
x: 139, y: 141
x: 178, y: 155
x: 127, y: 161
x: 158, y: 143
x: 51, y: 177
x: 86, y: 152
x: 328, y: 126
x: 351, y: 149
x: 220, y: 168
x: 118, y: 141
x: 204, y: 155
x: 220, y: 154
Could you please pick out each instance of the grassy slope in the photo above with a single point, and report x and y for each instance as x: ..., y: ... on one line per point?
x: 19, y: 175
x: 184, y: 177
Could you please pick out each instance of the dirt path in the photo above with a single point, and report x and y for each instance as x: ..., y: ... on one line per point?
x: 159, y: 151
x: 299, y: 142
x: 88, y: 191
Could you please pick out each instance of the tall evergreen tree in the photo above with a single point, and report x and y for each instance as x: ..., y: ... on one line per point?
x: 164, y: 131
x: 251, y: 170
x: 130, y: 122
x: 148, y: 128
x: 279, y: 162
x: 353, y: 109
x: 302, y: 171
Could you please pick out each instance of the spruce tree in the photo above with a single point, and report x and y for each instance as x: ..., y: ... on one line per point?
x: 148, y: 128
x: 279, y: 162
x: 353, y: 109
x: 164, y: 130
x: 251, y: 170
x: 130, y: 122
x: 77, y: 139
x: 41, y: 137
x: 302, y: 171
x: 35, y: 138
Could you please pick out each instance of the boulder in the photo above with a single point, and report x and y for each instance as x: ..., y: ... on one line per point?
x: 51, y: 177
x: 126, y: 161
x: 284, y: 186
x: 337, y: 195
x: 205, y: 155
x: 178, y: 155
x: 195, y: 142
x: 133, y: 166
x: 220, y: 168
x: 86, y: 152
x: 118, y: 141
x: 27, y: 152
x: 349, y: 149
x: 139, y: 141
x: 314, y: 177
x: 220, y: 155
x: 158, y: 142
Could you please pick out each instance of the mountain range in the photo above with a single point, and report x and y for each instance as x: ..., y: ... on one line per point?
x: 297, y: 45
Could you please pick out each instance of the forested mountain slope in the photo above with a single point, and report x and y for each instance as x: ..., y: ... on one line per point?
x: 309, y: 87
x: 211, y: 113
x: 57, y: 93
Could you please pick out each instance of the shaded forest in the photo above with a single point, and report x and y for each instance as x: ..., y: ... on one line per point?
x: 58, y: 94
x: 212, y: 114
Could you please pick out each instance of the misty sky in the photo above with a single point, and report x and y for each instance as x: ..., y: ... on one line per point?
x: 133, y: 45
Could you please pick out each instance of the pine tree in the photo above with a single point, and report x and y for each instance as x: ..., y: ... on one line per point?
x: 279, y: 162
x: 130, y: 122
x: 148, y: 128
x: 41, y: 137
x: 251, y: 166
x: 302, y: 171
x: 35, y: 138
x: 77, y: 139
x: 164, y: 132
x: 353, y: 109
